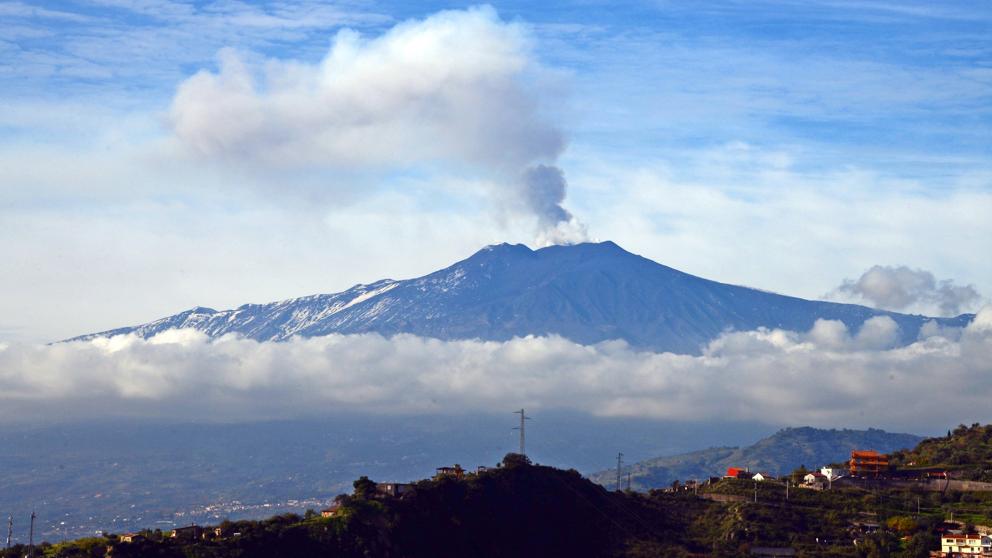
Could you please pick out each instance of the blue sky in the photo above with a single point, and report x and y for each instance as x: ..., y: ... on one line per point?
x: 784, y: 145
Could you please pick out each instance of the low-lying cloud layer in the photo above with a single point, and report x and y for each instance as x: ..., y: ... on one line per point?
x: 901, y: 288
x: 828, y: 376
x: 459, y: 87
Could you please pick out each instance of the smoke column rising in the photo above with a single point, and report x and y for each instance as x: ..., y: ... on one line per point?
x: 543, y: 191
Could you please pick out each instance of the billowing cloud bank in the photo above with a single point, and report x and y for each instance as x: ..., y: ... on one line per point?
x: 447, y: 87
x: 827, y: 376
x: 900, y: 288
x: 457, y: 88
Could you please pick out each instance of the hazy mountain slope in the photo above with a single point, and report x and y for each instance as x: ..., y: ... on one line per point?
x: 776, y: 454
x: 587, y: 292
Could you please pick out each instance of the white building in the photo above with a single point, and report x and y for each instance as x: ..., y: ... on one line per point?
x: 965, y: 545
x: 817, y: 481
x: 832, y: 473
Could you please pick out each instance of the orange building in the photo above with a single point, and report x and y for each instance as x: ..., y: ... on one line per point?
x: 868, y: 463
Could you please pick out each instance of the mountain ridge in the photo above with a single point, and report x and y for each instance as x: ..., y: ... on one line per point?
x: 588, y: 293
x: 777, y: 454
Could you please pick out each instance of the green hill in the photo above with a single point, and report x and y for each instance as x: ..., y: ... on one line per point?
x: 777, y: 454
x: 967, y: 451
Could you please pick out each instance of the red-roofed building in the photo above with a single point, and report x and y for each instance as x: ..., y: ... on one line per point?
x: 737, y: 473
x: 868, y: 463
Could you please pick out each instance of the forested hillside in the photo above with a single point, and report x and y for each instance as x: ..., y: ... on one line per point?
x: 966, y: 451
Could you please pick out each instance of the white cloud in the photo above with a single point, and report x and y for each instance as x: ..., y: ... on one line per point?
x: 449, y: 87
x: 900, y: 288
x: 21, y: 10
x: 456, y: 88
x: 788, y: 230
x: 827, y: 379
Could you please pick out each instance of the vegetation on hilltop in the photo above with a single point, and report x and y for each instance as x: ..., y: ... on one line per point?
x: 967, y: 451
x: 518, y: 509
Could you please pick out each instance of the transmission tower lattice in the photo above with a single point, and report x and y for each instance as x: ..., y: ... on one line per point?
x: 620, y: 472
x: 521, y: 428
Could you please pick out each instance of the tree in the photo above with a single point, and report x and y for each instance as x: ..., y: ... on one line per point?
x: 511, y: 460
x: 364, y: 488
x: 903, y: 524
x: 919, y: 546
x: 879, y: 545
x: 799, y: 474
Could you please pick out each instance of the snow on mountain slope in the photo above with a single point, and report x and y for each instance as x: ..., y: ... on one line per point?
x: 585, y: 292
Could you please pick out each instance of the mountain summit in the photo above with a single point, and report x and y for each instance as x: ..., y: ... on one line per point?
x: 587, y: 292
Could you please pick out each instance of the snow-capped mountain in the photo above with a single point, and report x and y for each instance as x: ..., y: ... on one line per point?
x: 586, y: 292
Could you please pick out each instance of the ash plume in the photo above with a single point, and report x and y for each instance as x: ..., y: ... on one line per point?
x: 543, y: 191
x: 471, y: 97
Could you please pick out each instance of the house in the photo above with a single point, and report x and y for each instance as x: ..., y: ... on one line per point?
x: 868, y: 463
x: 393, y: 489
x: 816, y: 481
x: 737, y: 473
x: 131, y: 537
x: 760, y: 477
x: 331, y: 511
x: 455, y: 472
x: 189, y: 533
x: 832, y: 473
x: 965, y: 545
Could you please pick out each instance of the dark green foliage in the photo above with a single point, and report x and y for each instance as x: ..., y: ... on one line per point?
x: 967, y: 451
x: 364, y: 488
x: 516, y: 510
x: 511, y: 460
x: 879, y: 545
